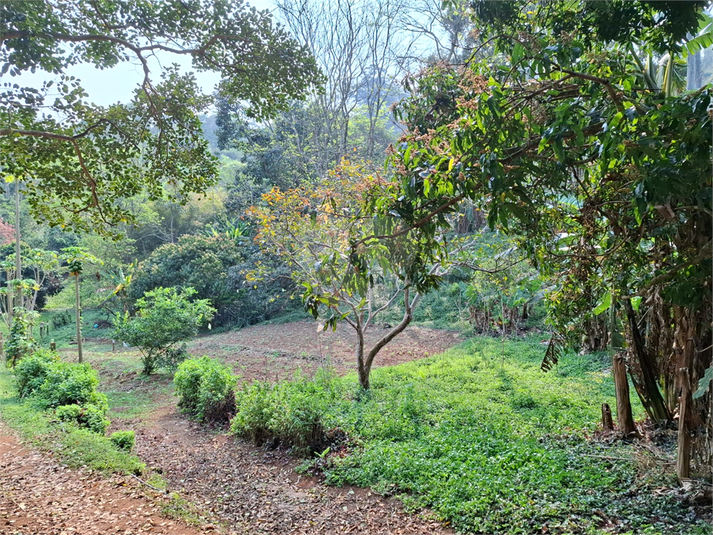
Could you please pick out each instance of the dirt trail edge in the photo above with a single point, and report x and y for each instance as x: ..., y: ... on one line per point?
x: 39, y: 496
x: 257, y: 491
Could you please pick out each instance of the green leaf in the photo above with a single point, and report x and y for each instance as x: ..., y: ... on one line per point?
x: 603, y: 305
x: 704, y: 383
x: 517, y: 53
x: 636, y: 303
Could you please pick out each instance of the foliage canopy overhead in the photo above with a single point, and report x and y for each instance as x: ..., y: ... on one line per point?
x: 77, y: 159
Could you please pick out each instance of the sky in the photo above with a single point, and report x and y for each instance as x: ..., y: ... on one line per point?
x: 109, y: 86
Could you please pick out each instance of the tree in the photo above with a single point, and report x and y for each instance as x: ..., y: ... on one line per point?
x: 164, y: 221
x: 76, y: 257
x: 445, y: 25
x: 28, y: 289
x: 605, y: 179
x: 164, y: 317
x: 319, y: 231
x: 357, y: 45
x: 79, y: 160
x: 198, y: 262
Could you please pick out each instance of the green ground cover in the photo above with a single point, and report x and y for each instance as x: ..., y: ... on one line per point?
x: 75, y: 446
x: 482, y: 437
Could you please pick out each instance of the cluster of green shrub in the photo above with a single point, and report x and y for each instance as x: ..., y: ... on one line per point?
x: 289, y: 413
x: 69, y: 390
x: 215, y: 267
x: 206, y: 389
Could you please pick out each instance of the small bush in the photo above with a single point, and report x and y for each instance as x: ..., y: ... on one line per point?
x: 124, y: 440
x: 165, y: 317
x: 91, y: 417
x: 205, y: 388
x: 68, y: 413
x: 67, y: 384
x: 75, y: 446
x: 20, y: 343
x: 291, y: 413
x: 256, y: 412
x: 60, y: 319
x: 31, y: 372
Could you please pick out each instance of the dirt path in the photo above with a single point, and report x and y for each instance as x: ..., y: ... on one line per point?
x: 257, y: 491
x: 243, y: 489
x: 40, y: 496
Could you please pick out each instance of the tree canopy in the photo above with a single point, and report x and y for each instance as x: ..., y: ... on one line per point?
x: 78, y: 160
x: 605, y: 177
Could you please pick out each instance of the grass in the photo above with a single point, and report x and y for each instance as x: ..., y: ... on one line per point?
x: 130, y: 394
x: 486, y: 440
x: 63, y: 330
x: 75, y: 447
x: 478, y: 434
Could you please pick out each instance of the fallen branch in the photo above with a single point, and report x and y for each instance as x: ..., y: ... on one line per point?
x: 163, y: 491
x: 608, y: 457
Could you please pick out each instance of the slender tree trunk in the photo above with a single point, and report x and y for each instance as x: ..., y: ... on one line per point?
x: 18, y: 261
x: 365, y: 362
x: 361, y: 364
x: 364, y: 371
x: 12, y: 301
x: 685, y: 344
x: 647, y: 386
x: 683, y: 450
x: 78, y: 317
x: 623, y: 403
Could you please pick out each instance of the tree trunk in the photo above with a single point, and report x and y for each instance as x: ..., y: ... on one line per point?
x: 685, y: 344
x: 364, y: 364
x: 683, y: 453
x: 607, y: 422
x: 18, y: 259
x: 361, y: 365
x: 78, y: 315
x: 623, y: 403
x: 647, y: 386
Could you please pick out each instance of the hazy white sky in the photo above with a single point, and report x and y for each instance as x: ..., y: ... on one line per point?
x: 118, y: 84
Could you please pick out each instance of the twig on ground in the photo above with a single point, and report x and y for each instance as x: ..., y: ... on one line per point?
x: 163, y: 491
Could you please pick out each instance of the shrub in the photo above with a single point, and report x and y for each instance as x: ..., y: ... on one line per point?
x: 31, y: 372
x: 92, y: 417
x: 67, y: 384
x: 255, y: 413
x: 164, y: 318
x: 124, y: 440
x: 291, y: 413
x: 68, y: 413
x: 20, y: 343
x: 261, y: 299
x: 205, y: 388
